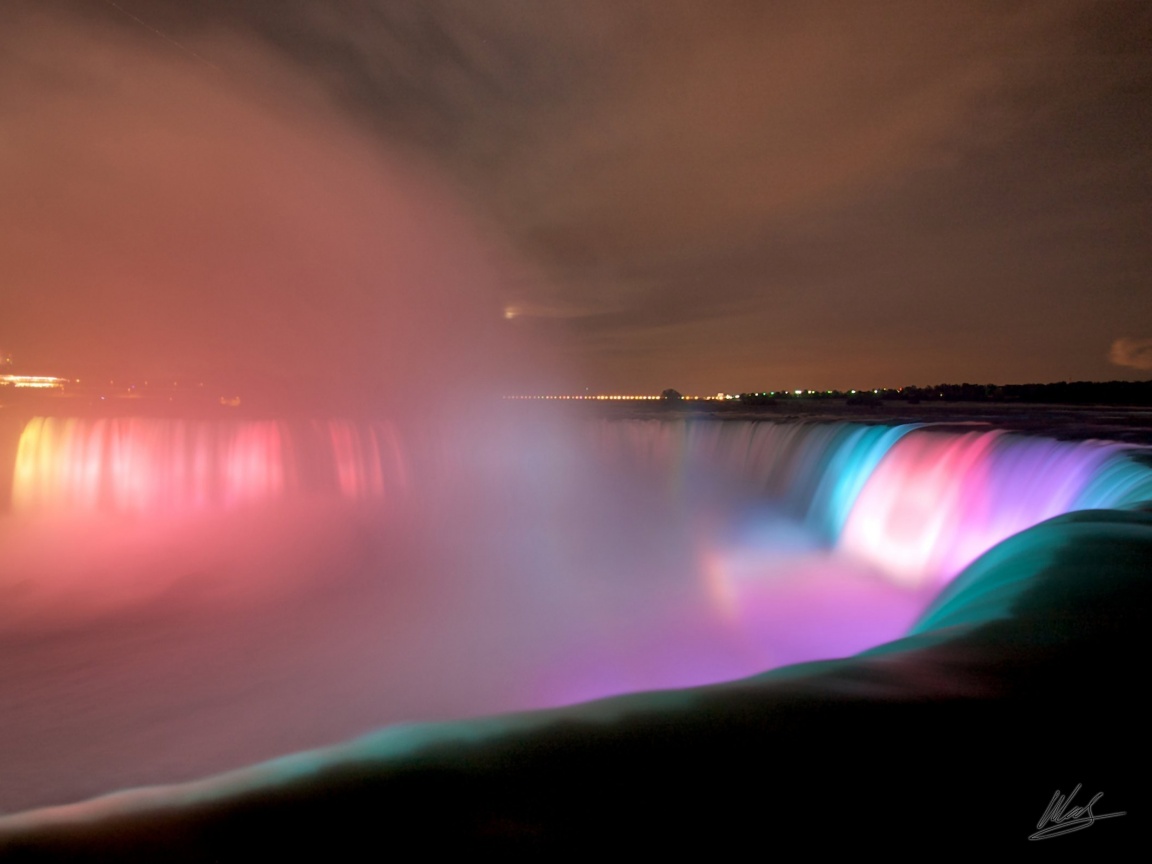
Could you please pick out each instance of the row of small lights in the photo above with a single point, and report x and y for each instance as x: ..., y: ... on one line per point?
x: 599, y: 398
x: 719, y: 397
x: 802, y: 392
x: 49, y: 381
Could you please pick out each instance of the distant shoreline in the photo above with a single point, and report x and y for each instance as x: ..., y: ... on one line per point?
x: 1128, y: 424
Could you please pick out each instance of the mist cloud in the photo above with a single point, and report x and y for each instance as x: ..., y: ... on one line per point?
x: 165, y: 218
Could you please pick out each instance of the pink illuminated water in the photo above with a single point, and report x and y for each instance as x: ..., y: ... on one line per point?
x: 147, y: 465
x: 185, y: 597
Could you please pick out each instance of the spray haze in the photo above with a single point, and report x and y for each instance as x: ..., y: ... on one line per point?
x: 167, y: 218
x: 189, y: 206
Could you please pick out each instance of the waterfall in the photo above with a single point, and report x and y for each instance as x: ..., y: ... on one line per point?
x: 235, y: 590
x: 918, y: 502
x: 147, y: 465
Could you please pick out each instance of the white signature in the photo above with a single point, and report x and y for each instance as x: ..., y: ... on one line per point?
x: 1065, y: 818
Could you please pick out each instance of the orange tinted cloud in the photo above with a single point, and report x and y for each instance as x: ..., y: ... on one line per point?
x: 1134, y: 353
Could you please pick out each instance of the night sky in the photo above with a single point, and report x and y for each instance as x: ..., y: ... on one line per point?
x: 552, y: 196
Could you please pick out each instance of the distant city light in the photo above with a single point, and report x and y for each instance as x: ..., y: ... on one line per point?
x: 38, y: 381
x: 614, y: 397
x: 720, y: 396
x: 601, y: 397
